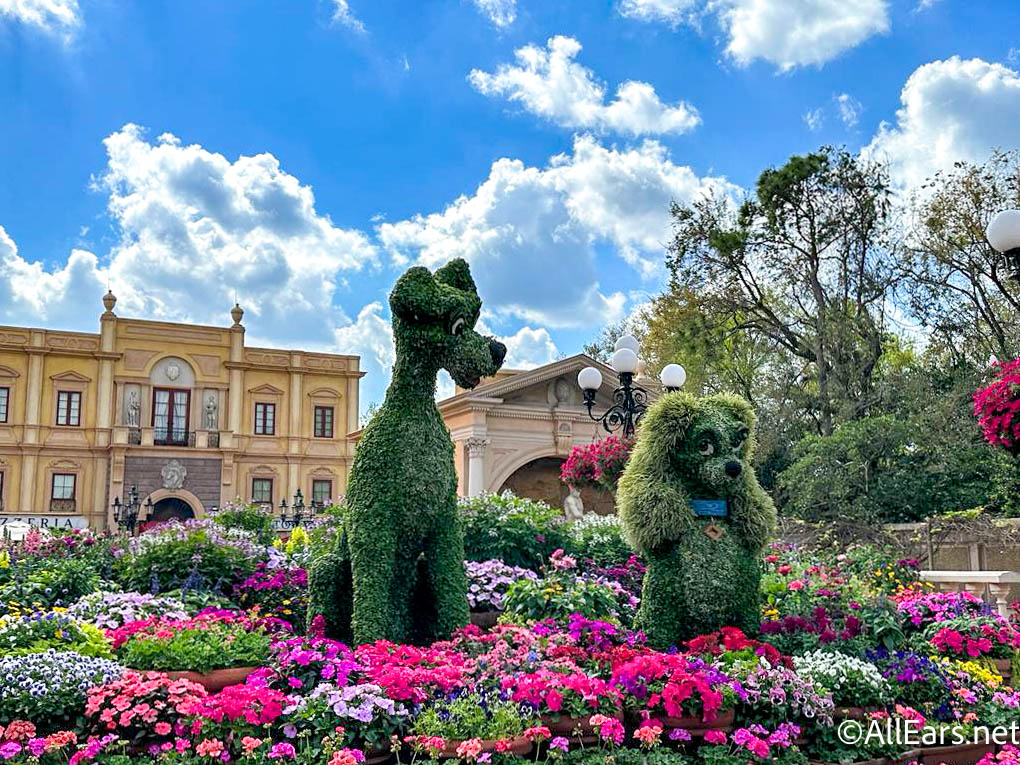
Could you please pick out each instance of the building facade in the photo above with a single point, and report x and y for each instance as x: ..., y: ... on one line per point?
x: 515, y: 430
x: 189, y: 415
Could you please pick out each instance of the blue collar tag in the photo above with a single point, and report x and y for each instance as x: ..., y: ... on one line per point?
x: 710, y: 508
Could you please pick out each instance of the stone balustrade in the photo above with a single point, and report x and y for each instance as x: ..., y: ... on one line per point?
x: 993, y: 586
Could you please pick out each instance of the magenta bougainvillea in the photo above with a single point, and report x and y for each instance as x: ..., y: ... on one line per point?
x: 598, y: 464
x: 998, y: 406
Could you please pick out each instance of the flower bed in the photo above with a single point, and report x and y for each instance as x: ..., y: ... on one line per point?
x: 562, y: 679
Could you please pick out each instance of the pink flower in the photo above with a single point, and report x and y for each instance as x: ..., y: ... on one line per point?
x: 715, y: 736
x: 796, y: 584
x: 470, y: 749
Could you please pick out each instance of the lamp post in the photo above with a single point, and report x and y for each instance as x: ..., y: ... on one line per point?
x: 629, y: 400
x: 1003, y: 234
x: 297, y: 517
x: 126, y: 513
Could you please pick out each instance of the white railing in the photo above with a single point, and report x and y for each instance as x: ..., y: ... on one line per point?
x: 993, y: 586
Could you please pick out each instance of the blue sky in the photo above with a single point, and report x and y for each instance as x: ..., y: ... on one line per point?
x: 301, y: 153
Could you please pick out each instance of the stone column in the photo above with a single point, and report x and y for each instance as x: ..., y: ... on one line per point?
x: 476, y: 464
x: 236, y: 392
x: 27, y: 502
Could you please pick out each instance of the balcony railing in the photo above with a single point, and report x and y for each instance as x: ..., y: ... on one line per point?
x: 173, y: 437
x: 62, y: 506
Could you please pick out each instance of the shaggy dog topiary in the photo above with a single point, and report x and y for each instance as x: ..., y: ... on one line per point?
x: 404, y: 544
x: 689, y: 502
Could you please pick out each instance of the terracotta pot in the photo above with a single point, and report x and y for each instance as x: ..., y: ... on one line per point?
x: 485, y: 620
x: 697, y: 727
x: 216, y: 680
x: 576, y: 728
x: 376, y: 756
x: 1004, y: 667
x: 963, y: 754
x: 519, y: 746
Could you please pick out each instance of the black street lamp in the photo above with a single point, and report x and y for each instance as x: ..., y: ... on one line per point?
x: 629, y: 400
x: 126, y: 513
x: 297, y: 517
x: 1004, y: 235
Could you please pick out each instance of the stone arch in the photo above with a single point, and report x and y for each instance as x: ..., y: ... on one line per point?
x: 536, y: 476
x: 520, y: 460
x: 159, y: 373
x: 181, y: 494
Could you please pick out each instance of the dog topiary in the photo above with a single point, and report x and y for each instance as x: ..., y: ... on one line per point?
x: 402, y: 544
x: 690, y: 503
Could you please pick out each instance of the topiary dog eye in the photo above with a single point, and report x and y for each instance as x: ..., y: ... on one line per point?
x: 458, y: 325
x: 706, y: 447
x: 741, y: 435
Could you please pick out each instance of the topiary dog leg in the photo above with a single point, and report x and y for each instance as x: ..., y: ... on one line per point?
x: 446, y: 579
x: 373, y: 559
x: 663, y: 613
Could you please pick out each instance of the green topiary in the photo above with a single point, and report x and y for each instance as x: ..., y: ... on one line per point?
x: 405, y: 542
x: 703, y: 570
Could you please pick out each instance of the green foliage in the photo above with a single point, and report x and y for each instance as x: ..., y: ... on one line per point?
x: 167, y: 561
x: 330, y: 593
x: 257, y: 520
x: 519, y: 531
x: 688, y: 448
x: 50, y: 582
x: 473, y: 715
x: 558, y: 596
x: 598, y: 538
x: 34, y: 633
x: 405, y: 540
x: 217, y: 646
x: 884, y: 469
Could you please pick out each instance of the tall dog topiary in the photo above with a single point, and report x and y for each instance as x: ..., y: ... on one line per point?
x: 403, y: 537
x: 689, y: 501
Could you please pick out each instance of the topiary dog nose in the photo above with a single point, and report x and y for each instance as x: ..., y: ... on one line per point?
x: 498, y: 351
x: 733, y: 469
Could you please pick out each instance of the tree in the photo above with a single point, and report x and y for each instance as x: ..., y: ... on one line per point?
x: 806, y: 265
x: 956, y: 284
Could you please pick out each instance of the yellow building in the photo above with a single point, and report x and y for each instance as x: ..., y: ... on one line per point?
x: 188, y: 414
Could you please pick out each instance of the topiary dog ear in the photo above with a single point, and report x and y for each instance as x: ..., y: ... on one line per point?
x: 416, y: 296
x: 457, y: 274
x: 668, y: 419
x: 738, y: 408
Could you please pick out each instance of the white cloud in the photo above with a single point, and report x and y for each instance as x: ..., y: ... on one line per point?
x: 792, y: 33
x: 370, y: 336
x: 669, y: 11
x: 787, y: 33
x: 951, y: 110
x: 529, y: 348
x: 814, y: 119
x: 28, y: 291
x: 849, y: 109
x: 532, y: 233
x: 342, y: 14
x: 502, y: 13
x: 548, y: 82
x: 60, y: 17
x: 196, y: 230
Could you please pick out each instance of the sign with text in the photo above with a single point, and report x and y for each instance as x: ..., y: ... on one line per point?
x: 46, y: 521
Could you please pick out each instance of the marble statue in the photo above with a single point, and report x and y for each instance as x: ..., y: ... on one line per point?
x: 134, y: 409
x: 573, y: 506
x: 210, y: 412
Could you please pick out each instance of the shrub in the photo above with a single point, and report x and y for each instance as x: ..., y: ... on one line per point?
x: 560, y: 595
x: 853, y: 682
x: 192, y: 555
x: 257, y: 520
x: 598, y: 538
x: 49, y: 582
x: 473, y: 715
x: 518, y: 531
x: 49, y: 688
